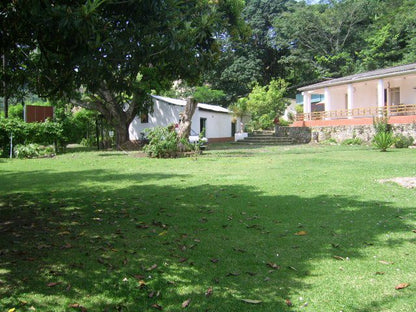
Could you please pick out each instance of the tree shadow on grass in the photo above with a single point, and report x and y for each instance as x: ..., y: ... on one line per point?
x: 144, y: 245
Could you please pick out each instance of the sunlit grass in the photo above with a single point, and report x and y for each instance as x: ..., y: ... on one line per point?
x: 111, y: 231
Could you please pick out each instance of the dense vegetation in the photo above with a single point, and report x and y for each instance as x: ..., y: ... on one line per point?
x: 119, y: 55
x: 304, y: 43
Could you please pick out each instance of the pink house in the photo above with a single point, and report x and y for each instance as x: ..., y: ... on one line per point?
x: 357, y: 99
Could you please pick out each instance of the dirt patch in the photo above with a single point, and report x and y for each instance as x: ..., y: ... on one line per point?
x: 407, y: 182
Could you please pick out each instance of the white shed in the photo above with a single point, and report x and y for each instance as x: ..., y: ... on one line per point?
x: 217, y: 121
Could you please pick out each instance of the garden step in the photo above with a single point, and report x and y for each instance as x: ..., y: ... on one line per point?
x: 267, y: 140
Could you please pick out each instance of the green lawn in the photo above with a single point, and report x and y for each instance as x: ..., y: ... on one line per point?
x: 302, y: 228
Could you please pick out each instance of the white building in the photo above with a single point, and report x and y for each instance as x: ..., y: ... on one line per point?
x: 357, y: 98
x: 217, y: 121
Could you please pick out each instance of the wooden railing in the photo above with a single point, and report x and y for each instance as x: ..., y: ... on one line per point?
x: 363, y: 112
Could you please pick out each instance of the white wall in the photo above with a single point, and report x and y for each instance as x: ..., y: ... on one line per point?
x: 365, y: 93
x: 218, y: 124
x: 164, y: 114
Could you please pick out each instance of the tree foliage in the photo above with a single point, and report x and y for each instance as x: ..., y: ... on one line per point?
x: 117, y: 51
x: 265, y: 103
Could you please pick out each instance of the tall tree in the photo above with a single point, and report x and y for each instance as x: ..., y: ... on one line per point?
x: 256, y: 59
x: 116, y: 51
x: 322, y: 38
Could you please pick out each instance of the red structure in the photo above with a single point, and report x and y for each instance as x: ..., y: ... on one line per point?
x: 38, y: 113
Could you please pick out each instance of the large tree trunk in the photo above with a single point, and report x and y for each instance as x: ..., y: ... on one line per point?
x: 122, y: 133
x: 185, y: 121
x: 5, y: 93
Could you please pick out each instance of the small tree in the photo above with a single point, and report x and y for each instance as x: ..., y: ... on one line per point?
x: 266, y: 103
x: 240, y: 109
x: 383, y: 139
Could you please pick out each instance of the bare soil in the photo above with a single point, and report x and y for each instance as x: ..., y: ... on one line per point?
x: 407, y: 182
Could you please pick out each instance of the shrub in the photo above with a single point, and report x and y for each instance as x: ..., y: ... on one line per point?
x: 283, y: 122
x: 16, y: 111
x: 330, y: 141
x: 163, y: 142
x: 353, y: 141
x: 381, y: 124
x: 401, y: 141
x: 32, y: 150
x: 45, y: 133
x: 383, y: 140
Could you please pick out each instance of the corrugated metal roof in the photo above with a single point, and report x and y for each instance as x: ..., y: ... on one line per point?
x: 375, y: 74
x: 209, y: 107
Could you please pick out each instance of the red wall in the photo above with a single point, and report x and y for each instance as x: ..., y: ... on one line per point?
x: 350, y: 122
x: 38, y: 113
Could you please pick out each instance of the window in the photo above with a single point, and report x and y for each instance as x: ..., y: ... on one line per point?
x: 395, y: 96
x: 144, y: 118
x: 203, y: 126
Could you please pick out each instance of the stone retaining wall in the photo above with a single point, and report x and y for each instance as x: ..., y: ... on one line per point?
x: 300, y: 135
x: 363, y: 132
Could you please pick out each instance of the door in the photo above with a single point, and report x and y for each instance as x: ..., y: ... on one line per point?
x: 203, y: 126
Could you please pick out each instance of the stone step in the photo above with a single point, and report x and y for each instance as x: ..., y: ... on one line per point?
x: 269, y: 140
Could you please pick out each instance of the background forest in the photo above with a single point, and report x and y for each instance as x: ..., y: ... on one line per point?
x: 304, y: 43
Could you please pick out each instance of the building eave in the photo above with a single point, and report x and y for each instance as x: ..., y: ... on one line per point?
x: 371, y: 75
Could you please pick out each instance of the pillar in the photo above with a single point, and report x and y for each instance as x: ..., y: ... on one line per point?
x: 307, y: 104
x: 328, y: 107
x: 380, y: 96
x: 350, y: 103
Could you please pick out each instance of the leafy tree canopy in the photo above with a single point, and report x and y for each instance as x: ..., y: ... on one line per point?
x: 117, y: 51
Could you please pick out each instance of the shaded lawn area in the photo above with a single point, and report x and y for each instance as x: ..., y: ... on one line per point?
x: 297, y: 228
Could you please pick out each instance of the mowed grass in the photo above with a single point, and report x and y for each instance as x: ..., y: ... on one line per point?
x: 299, y: 228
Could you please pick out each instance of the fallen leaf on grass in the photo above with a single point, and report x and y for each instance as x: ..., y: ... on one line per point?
x: 154, y: 266
x: 53, y: 284
x: 301, y: 233
x: 154, y: 294
x: 386, y: 262
x: 157, y: 306
x: 251, y: 301
x: 292, y: 268
x: 186, y: 303
x: 209, y: 292
x: 402, y: 285
x: 339, y: 258
x: 233, y: 274
x: 251, y: 273
x: 239, y: 250
x: 78, y: 306
x: 288, y: 303
x: 273, y: 265
x: 12, y: 310
x: 66, y: 246
x: 379, y: 273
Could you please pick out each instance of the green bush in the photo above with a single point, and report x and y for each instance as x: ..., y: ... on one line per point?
x: 16, y: 111
x: 163, y: 142
x: 352, y: 141
x: 401, y: 141
x: 45, y: 133
x: 383, y: 140
x: 381, y: 124
x: 283, y: 122
x: 265, y: 122
x: 330, y: 141
x: 32, y: 150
